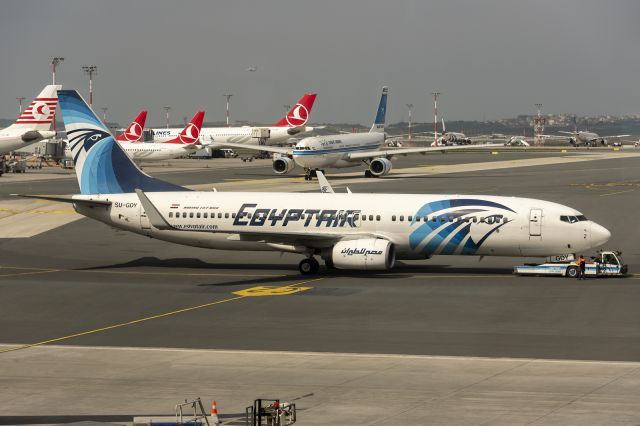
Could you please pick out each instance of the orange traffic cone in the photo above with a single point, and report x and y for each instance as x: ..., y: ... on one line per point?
x: 214, y: 413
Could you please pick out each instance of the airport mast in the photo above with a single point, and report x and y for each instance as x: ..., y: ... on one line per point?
x: 166, y: 110
x: 538, y: 127
x: 435, y: 117
x: 410, y: 107
x: 20, y: 99
x: 104, y: 114
x: 90, y: 70
x: 55, y: 61
x: 228, y: 96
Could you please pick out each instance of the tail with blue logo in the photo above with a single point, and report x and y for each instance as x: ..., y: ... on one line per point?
x: 378, y: 124
x: 102, y: 166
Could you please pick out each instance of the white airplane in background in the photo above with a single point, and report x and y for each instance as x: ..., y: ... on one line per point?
x: 578, y: 138
x: 349, y: 231
x: 451, y: 138
x: 291, y: 124
x: 184, y: 144
x: 343, y: 150
x: 33, y: 124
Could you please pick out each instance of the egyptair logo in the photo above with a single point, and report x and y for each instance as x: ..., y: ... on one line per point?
x: 298, y: 116
x: 41, y: 111
x: 134, y: 132
x: 190, y: 134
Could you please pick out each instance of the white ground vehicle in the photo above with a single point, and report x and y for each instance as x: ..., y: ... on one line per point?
x: 605, y: 264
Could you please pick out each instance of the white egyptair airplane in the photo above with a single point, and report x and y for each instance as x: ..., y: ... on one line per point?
x: 295, y: 122
x: 33, y: 124
x: 344, y: 150
x: 348, y: 231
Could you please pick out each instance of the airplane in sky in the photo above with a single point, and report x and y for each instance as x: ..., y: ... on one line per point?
x: 295, y: 122
x: 187, y: 142
x: 343, y: 150
x: 348, y: 231
x: 33, y: 124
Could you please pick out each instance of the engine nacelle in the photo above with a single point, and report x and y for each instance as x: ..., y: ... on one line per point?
x: 364, y: 254
x: 283, y: 165
x: 380, y: 166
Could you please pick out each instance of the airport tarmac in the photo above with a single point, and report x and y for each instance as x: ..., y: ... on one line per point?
x: 86, y: 286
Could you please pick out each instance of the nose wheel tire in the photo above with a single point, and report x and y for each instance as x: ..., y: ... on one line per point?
x: 309, y: 266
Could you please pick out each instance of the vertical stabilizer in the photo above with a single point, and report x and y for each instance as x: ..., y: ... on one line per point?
x: 40, y: 113
x: 133, y: 133
x: 378, y: 124
x: 299, y: 114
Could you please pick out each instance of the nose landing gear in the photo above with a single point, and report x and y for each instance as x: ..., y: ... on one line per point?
x: 309, y: 266
x: 309, y: 174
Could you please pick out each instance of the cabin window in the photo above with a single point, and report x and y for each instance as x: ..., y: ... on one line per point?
x: 184, y: 214
x: 233, y: 215
x: 226, y: 215
x: 443, y: 219
x: 364, y: 217
x: 409, y: 218
x: 482, y: 220
x: 426, y: 218
x: 378, y: 218
x: 417, y: 218
x: 474, y: 219
x: 205, y: 215
x: 569, y: 219
x: 505, y: 220
x: 393, y: 218
x: 371, y: 218
x: 191, y: 214
x: 198, y: 215
x: 582, y: 218
x: 170, y: 214
x: 402, y: 218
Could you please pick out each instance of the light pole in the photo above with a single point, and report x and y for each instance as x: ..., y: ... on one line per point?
x: 90, y: 70
x: 228, y: 96
x: 20, y: 99
x: 104, y: 114
x: 410, y: 107
x: 435, y: 116
x: 166, y: 110
x: 55, y: 61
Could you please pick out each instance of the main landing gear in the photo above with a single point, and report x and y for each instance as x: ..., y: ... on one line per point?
x: 309, y: 266
x: 309, y: 174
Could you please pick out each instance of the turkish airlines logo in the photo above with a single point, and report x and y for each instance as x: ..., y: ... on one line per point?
x: 134, y: 132
x: 190, y: 134
x: 298, y: 116
x: 41, y: 111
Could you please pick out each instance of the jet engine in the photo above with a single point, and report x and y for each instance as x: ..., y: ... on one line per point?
x: 380, y: 166
x: 283, y: 165
x: 364, y: 254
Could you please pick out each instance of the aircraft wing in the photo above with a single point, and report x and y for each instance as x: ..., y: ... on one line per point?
x: 277, y: 149
x: 406, y: 151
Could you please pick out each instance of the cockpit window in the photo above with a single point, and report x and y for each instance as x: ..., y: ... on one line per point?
x: 573, y: 219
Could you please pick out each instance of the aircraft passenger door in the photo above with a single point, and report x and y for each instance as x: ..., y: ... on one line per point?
x: 535, y: 223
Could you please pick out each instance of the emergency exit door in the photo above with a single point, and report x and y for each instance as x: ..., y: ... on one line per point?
x: 535, y: 222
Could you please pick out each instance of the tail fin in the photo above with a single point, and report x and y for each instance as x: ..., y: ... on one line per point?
x: 102, y: 167
x: 191, y: 133
x: 378, y: 124
x: 41, y: 112
x: 133, y: 133
x: 299, y: 114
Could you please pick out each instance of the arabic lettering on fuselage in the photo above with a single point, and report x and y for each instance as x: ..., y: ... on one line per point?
x: 250, y: 215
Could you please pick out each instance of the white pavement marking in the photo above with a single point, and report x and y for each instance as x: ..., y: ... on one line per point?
x: 26, y: 218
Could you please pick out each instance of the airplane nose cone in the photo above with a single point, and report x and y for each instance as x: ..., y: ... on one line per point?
x: 599, y: 235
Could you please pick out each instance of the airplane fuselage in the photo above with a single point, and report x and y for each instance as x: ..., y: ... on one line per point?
x: 243, y: 135
x: 12, y: 140
x: 419, y: 226
x: 333, y: 151
x: 150, y: 151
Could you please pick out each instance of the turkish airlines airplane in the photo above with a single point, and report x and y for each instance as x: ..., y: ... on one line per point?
x: 33, y: 124
x: 344, y: 150
x: 295, y: 122
x: 187, y: 141
x: 348, y: 231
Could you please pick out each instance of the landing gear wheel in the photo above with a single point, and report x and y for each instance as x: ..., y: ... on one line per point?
x: 309, y: 266
x: 572, y: 272
x: 312, y: 174
x: 367, y: 174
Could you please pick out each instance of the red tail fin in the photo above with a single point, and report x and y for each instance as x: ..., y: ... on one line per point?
x: 300, y: 112
x: 134, y: 131
x: 191, y: 133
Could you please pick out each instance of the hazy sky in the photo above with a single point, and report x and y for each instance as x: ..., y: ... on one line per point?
x: 488, y: 58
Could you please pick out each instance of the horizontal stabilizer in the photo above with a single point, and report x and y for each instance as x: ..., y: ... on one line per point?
x: 67, y: 199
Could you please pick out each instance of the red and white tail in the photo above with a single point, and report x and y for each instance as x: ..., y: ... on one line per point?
x: 133, y: 133
x: 191, y: 133
x: 299, y: 114
x: 41, y: 112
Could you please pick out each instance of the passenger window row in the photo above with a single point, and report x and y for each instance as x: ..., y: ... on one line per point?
x: 443, y: 219
x: 199, y: 215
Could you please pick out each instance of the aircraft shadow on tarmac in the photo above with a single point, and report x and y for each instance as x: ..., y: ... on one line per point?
x: 400, y: 271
